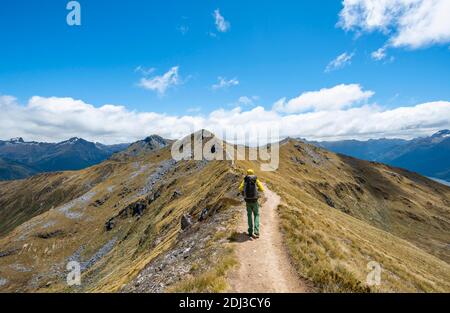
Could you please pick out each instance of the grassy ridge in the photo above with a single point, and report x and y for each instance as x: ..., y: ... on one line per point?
x: 337, y: 216
x: 44, y: 244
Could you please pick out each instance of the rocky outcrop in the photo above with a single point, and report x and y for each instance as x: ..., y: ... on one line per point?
x: 186, y: 221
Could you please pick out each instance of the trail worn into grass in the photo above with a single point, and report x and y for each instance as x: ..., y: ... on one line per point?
x: 263, y: 263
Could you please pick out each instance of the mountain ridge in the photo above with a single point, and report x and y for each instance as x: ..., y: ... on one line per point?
x: 426, y: 155
x: 337, y: 214
x: 31, y: 158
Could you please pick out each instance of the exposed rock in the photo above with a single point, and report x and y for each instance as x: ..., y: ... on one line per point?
x: 3, y: 282
x: 188, y: 256
x: 177, y: 193
x: 51, y: 234
x: 297, y: 160
x: 138, y: 208
x: 154, y: 196
x: 85, y: 265
x: 19, y: 268
x: 314, y: 154
x: 134, y: 209
x: 8, y: 252
x: 104, y: 250
x: 99, y: 202
x: 328, y: 200
x: 79, y: 202
x: 203, y: 215
x: 109, y: 225
x: 48, y: 224
x: 124, y: 192
x: 186, y: 221
x: 157, y: 176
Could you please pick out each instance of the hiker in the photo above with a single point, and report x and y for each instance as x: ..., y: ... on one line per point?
x: 249, y: 189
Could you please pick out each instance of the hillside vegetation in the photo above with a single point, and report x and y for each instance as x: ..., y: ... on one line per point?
x: 100, y: 230
x: 341, y: 213
x: 337, y: 215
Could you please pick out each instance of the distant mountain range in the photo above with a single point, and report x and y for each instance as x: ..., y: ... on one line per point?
x: 429, y: 156
x: 20, y: 159
x: 141, y: 147
x: 10, y: 170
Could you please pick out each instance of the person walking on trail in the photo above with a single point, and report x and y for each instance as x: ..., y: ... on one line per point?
x: 249, y: 189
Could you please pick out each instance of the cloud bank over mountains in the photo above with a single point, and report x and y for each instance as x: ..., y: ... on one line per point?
x: 339, y: 112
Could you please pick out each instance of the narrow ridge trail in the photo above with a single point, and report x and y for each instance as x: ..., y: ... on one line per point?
x: 263, y: 263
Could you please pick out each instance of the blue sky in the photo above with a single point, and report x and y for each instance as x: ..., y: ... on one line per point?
x: 266, y: 51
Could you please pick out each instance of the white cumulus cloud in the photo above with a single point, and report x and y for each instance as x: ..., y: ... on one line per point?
x: 326, y: 99
x: 221, y: 24
x: 160, y: 84
x: 339, y: 62
x: 408, y: 23
x: 379, y: 54
x: 223, y: 83
x: 247, y: 100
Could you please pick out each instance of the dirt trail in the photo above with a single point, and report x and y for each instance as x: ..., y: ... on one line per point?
x: 264, y: 265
